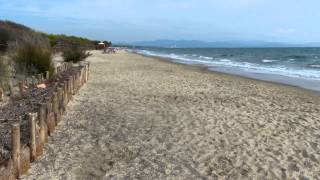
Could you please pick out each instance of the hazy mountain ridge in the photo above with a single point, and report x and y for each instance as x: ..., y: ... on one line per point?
x: 217, y: 44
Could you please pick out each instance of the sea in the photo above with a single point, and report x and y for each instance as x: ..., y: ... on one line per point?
x: 291, y: 66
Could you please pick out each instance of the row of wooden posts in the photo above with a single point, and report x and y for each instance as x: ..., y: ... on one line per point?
x: 38, y: 79
x: 41, y: 124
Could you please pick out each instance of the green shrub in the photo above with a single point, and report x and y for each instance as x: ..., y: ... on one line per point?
x: 4, y: 38
x: 74, y: 54
x: 32, y: 59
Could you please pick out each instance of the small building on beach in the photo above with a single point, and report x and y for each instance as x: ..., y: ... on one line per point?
x: 101, y: 45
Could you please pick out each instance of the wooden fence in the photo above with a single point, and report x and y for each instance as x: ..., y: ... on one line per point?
x: 42, y: 121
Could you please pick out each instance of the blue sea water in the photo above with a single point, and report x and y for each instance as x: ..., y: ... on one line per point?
x: 295, y: 66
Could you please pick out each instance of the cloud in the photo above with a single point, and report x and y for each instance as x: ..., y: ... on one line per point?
x: 180, y: 19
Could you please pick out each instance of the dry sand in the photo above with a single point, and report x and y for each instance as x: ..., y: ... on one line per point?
x: 142, y: 118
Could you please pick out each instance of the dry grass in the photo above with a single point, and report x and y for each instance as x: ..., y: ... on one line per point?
x: 32, y: 59
x: 74, y: 54
x: 4, y: 73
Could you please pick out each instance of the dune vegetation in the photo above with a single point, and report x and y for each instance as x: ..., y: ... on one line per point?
x: 25, y: 52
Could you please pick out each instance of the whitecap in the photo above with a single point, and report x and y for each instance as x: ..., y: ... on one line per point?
x: 205, y: 57
x: 268, y: 60
x: 315, y: 65
x: 224, y: 60
x: 258, y: 68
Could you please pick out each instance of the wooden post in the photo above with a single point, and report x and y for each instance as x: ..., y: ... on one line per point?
x: 49, y: 120
x: 26, y: 83
x: 32, y: 142
x: 42, y: 122
x: 55, y: 107
x: 79, y: 80
x: 60, y: 99
x: 34, y: 81
x: 11, y: 89
x: 21, y: 87
x: 62, y: 103
x: 86, y: 75
x: 81, y: 76
x: 15, y: 140
x: 68, y: 90
x: 71, y: 86
x: 39, y: 77
x: 88, y: 71
x: 42, y: 78
x: 74, y: 83
x: 47, y: 75
x: 62, y: 67
x: 65, y: 98
x: 1, y: 95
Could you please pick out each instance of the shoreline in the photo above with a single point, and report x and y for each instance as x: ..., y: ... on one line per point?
x: 207, y: 69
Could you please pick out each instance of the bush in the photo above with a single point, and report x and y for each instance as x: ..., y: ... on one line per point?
x: 4, y: 72
x: 4, y: 38
x: 32, y: 59
x: 74, y: 54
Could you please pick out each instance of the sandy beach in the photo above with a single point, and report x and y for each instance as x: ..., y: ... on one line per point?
x: 143, y: 118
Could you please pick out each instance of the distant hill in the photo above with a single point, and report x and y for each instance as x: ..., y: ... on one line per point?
x: 218, y: 44
x: 11, y: 32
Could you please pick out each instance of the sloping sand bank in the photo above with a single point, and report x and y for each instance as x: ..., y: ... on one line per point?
x: 141, y: 118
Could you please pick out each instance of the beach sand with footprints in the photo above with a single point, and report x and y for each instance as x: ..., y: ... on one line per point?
x: 143, y: 118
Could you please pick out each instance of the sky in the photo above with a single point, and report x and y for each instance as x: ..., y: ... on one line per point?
x: 289, y: 21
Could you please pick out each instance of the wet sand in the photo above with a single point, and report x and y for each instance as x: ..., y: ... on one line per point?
x: 142, y: 118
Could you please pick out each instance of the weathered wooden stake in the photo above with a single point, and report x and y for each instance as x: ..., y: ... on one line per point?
x: 15, y: 138
x: 34, y: 81
x: 21, y: 87
x: 71, y: 86
x: 32, y: 142
x: 39, y: 77
x: 1, y: 95
x: 75, y: 82
x: 60, y: 99
x: 87, y: 70
x: 79, y: 80
x: 50, y: 124
x: 47, y: 75
x: 12, y: 93
x: 42, y: 122
x: 55, y: 107
x: 65, y: 94
x: 81, y: 76
x: 26, y: 83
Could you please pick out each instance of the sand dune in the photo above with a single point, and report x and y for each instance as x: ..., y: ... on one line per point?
x: 142, y: 118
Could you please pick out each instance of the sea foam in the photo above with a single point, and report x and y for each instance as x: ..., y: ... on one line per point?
x: 281, y: 69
